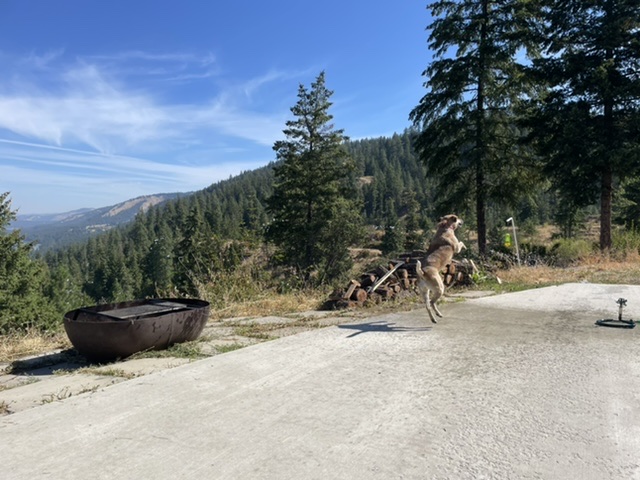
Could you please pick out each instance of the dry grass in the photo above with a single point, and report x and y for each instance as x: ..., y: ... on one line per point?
x: 272, y: 304
x: 595, y: 269
x: 13, y: 347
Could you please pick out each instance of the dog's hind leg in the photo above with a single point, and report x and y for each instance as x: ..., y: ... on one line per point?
x: 423, y: 288
x: 427, y: 302
x: 437, y: 292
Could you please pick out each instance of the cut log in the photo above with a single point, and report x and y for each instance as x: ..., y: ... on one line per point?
x: 395, y: 287
x: 352, y: 286
x: 385, y: 292
x: 367, y: 280
x: 381, y: 271
x: 359, y: 295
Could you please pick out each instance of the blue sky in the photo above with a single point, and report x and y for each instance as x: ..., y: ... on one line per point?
x: 106, y: 100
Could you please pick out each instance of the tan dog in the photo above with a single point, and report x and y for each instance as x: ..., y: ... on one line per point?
x: 440, y: 253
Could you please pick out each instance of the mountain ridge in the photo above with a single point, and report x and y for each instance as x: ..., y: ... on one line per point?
x: 60, y: 229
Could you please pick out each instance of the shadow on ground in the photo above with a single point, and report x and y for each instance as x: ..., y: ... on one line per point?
x: 381, y: 326
x: 48, y: 364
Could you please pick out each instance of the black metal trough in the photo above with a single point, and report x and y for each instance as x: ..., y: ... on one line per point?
x: 117, y: 330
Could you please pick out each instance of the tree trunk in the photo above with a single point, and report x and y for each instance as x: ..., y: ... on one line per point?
x: 480, y: 212
x: 606, y: 185
x: 606, y: 195
x: 481, y: 150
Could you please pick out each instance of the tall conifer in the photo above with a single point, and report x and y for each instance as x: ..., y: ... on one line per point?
x: 468, y: 138
x: 587, y: 122
x: 314, y: 215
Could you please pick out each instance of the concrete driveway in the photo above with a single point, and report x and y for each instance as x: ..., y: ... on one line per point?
x: 516, y: 386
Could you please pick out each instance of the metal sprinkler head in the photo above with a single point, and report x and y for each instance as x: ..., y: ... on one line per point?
x: 619, y: 323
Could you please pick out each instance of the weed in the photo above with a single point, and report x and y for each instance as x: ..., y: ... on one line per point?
x: 106, y: 372
x: 190, y: 350
x: 52, y: 397
x: 4, y: 408
x: 263, y: 331
x: 253, y: 330
x: 229, y: 348
x: 66, y: 393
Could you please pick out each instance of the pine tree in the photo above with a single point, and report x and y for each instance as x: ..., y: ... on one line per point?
x: 157, y: 264
x: 468, y: 137
x: 315, y: 216
x: 23, y: 305
x: 587, y: 122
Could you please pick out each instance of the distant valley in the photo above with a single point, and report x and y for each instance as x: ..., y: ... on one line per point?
x: 60, y: 229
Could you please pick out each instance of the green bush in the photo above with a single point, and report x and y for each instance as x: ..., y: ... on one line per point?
x: 626, y: 242
x: 567, y: 251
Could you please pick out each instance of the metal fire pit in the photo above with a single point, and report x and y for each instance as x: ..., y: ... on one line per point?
x: 117, y: 330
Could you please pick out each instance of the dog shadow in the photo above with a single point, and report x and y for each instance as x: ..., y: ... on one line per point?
x: 380, y: 326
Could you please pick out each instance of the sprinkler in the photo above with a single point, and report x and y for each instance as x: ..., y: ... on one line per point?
x: 619, y: 323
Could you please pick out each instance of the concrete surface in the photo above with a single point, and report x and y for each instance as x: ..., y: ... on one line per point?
x: 31, y: 381
x: 516, y: 386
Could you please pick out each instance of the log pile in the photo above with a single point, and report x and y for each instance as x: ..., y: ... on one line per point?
x: 386, y: 282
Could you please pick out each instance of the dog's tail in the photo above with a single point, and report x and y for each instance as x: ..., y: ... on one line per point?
x: 419, y: 271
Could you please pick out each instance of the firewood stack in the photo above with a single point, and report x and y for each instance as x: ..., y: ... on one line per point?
x: 385, y: 282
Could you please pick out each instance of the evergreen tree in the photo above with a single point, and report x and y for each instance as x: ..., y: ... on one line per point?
x: 315, y: 217
x: 190, y: 256
x: 468, y: 139
x: 629, y: 204
x: 394, y: 234
x: 156, y: 261
x: 415, y: 223
x: 588, y: 122
x: 23, y: 305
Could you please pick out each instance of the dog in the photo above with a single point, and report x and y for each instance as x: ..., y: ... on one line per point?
x: 439, y: 254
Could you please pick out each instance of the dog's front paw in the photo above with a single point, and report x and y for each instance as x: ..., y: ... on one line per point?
x: 461, y: 246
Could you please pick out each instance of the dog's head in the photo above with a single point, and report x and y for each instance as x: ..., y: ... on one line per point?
x: 450, y: 222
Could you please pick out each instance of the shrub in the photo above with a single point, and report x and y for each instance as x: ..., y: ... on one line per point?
x: 626, y: 243
x: 569, y: 251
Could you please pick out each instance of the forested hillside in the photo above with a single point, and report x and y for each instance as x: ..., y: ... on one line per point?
x: 173, y: 247
x: 192, y: 236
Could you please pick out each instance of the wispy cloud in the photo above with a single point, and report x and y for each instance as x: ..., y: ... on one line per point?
x: 89, y: 104
x: 169, y: 67
x: 93, y: 131
x: 73, y: 178
x: 42, y: 60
